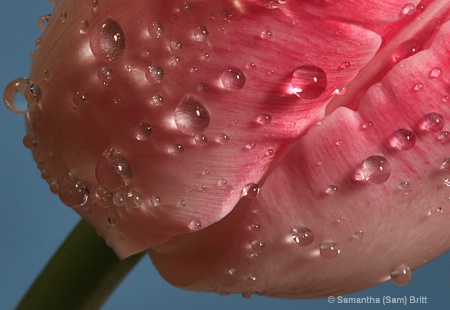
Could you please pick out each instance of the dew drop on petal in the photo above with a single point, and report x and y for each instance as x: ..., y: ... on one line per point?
x: 302, y: 236
x: 154, y: 74
x: 84, y: 26
x: 435, y: 72
x: 30, y: 141
x: 358, y: 234
x: 142, y: 131
x: 176, y: 149
x: 156, y: 30
x: 17, y: 86
x: 191, y: 116
x: 445, y: 165
x: 105, y: 75
x: 264, y: 119
x: 308, y: 82
x: 133, y: 199
x: 157, y: 100
x: 251, y: 190
x: 223, y: 138
x: 409, y: 9
x: 80, y: 98
x: 367, y: 125
x: 195, y: 225
x: 112, y: 170
x: 401, y: 275
x: 266, y: 34
x: 103, y: 197
x: 233, y: 79
x: 403, y: 140
x: 405, y: 187
x: 43, y: 21
x: 155, y: 201
x: 443, y: 136
x: 374, y: 169
x: 200, y: 139
x: 72, y: 191
x: 201, y: 33
x: 407, y: 49
x: 331, y: 189
x: 329, y: 250
x: 118, y: 199
x: 257, y: 246
x: 433, y: 122
x: 108, y: 41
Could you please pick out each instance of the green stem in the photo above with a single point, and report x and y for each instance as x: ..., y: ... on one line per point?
x: 81, y: 275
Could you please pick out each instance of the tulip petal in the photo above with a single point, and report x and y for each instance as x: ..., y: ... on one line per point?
x: 361, y: 195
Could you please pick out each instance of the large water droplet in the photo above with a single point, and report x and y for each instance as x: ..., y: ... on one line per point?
x: 433, y: 122
x: 233, y: 79
x: 403, y: 140
x: 374, y: 169
x: 409, y: 9
x: 407, y: 49
x: 112, y: 170
x: 176, y: 149
x: 401, y: 275
x: 251, y: 190
x: 435, y: 72
x: 195, y: 225
x: 308, y: 82
x: 191, y: 116
x: 302, y: 236
x: 108, y: 41
x: 72, y: 191
x: 329, y: 250
x: 264, y: 119
x: 20, y: 86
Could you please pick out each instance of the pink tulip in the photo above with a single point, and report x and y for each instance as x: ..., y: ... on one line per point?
x: 294, y: 149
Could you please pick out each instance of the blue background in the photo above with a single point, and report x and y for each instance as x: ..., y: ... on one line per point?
x: 33, y: 222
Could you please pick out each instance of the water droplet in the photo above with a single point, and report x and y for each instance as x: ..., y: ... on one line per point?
x: 250, y: 146
x: 341, y: 90
x: 105, y: 75
x: 409, y: 9
x: 257, y: 246
x: 233, y: 79
x: 103, y: 197
x: 43, y: 21
x: 191, y: 116
x: 435, y: 211
x: 155, y: 201
x: 418, y: 87
x: 222, y: 182
x: 84, y: 26
x: 269, y: 152
x: 46, y: 75
x: 407, y: 49
x: 200, y: 139
x: 309, y: 82
x: 182, y: 203
x: 112, y: 170
x: 201, y: 33
x: 223, y: 138
x: 195, y: 225
x: 20, y: 86
x: 118, y: 199
x: 72, y: 191
x: 443, y: 136
x: 302, y: 236
x: 358, y: 234
x: 433, y: 122
x: 63, y: 17
x: 405, y: 186
x: 329, y: 250
x: 156, y: 30
x: 176, y: 149
x: 403, y: 140
x: 203, y: 88
x: 338, y: 142
x: 445, y: 99
x: 255, y: 227
x: 445, y: 165
x: 401, y: 275
x: 232, y: 272
x: 344, y: 65
x: 157, y: 100
x: 264, y: 119
x: 133, y: 199
x: 446, y: 181
x: 251, y: 190
x: 367, y: 125
x: 332, y: 189
x: 154, y: 74
x: 108, y: 41
x: 435, y: 72
x: 30, y: 141
x: 266, y: 34
x: 375, y: 169
x: 274, y: 4
x: 80, y: 98
x: 112, y: 220
x: 176, y: 45
x: 142, y: 131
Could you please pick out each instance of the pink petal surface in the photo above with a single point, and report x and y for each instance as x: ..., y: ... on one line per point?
x: 398, y: 217
x: 140, y: 171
